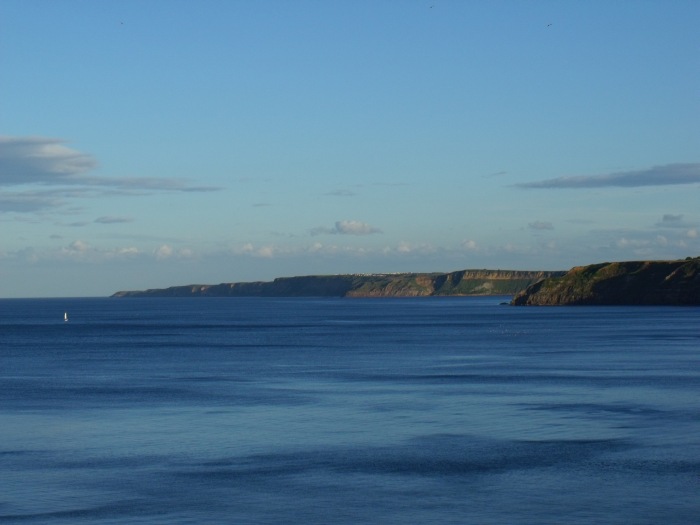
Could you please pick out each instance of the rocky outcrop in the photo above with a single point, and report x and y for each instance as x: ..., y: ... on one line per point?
x: 465, y: 282
x: 619, y: 283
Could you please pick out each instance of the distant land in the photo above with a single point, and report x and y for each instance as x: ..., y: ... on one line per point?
x: 610, y: 283
x: 464, y: 282
x: 619, y: 283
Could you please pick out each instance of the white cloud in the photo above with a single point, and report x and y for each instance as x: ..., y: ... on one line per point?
x: 163, y: 252
x: 127, y: 251
x: 470, y: 245
x: 355, y: 228
x: 321, y: 249
x: 78, y: 246
x: 266, y: 251
x: 404, y: 247
x: 407, y: 248
x: 347, y: 228
x: 661, y: 240
x: 626, y: 243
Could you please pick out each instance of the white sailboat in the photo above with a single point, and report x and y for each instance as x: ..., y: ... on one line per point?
x: 65, y: 316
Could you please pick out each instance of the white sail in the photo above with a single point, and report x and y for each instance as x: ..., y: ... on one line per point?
x: 65, y: 316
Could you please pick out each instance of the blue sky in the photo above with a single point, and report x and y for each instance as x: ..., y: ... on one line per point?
x: 158, y: 143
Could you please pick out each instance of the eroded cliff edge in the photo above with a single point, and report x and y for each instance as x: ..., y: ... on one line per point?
x: 619, y: 283
x: 464, y: 282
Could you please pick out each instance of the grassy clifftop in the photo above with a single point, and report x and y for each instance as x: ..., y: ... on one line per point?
x: 464, y: 282
x: 620, y: 283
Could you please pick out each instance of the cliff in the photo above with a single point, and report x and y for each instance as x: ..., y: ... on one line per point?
x: 465, y: 282
x: 619, y: 283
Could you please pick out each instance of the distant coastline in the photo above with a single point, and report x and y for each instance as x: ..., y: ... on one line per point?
x: 464, y: 282
x: 610, y: 283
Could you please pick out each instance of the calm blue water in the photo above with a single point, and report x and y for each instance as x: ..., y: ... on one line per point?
x: 454, y: 410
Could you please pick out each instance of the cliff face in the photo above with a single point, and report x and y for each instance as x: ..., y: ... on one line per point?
x: 465, y: 282
x: 621, y: 283
x: 487, y: 282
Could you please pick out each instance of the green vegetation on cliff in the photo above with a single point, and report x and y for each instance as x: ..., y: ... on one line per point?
x: 620, y: 283
x: 465, y: 282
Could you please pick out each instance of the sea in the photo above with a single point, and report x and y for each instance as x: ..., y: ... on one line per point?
x: 454, y: 410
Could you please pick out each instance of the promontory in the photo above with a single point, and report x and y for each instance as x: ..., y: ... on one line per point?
x: 619, y: 283
x: 464, y: 282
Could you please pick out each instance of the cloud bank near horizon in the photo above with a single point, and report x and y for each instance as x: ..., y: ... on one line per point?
x: 664, y: 175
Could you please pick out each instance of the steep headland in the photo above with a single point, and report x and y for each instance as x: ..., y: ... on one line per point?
x: 619, y: 283
x: 464, y: 282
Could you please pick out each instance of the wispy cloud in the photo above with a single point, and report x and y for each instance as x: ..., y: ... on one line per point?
x: 669, y: 174
x: 347, y: 228
x: 670, y: 220
x: 25, y: 202
x: 341, y: 193
x: 108, y: 219
x: 391, y: 184
x: 48, y: 162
